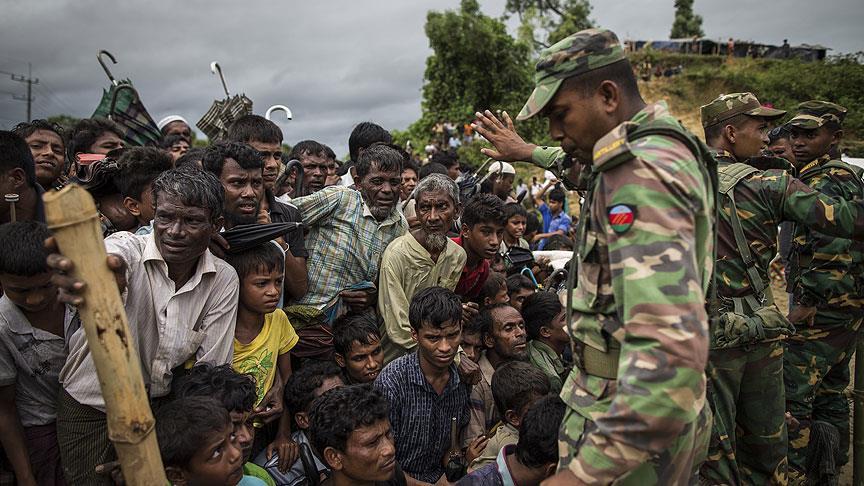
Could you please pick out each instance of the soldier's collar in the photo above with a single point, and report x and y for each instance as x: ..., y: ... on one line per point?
x: 612, y: 149
x: 816, y: 163
x: 723, y: 154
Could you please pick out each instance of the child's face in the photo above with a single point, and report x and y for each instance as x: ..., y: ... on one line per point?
x: 500, y: 297
x: 244, y: 431
x: 555, y: 206
x: 483, y: 239
x: 516, y: 226
x: 260, y: 290
x: 31, y: 294
x: 472, y: 346
x: 365, y: 361
x: 218, y: 462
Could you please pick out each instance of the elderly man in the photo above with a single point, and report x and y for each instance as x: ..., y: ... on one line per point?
x: 181, y: 302
x: 422, y: 258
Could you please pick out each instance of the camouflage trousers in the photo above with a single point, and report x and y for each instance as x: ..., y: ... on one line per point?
x: 677, y: 465
x: 816, y: 373
x: 748, y: 440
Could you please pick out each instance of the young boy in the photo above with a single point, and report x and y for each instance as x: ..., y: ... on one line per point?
x: 515, y: 387
x: 198, y: 445
x: 516, y: 218
x: 547, y: 338
x: 481, y: 235
x: 139, y: 167
x: 308, y: 383
x: 559, y: 220
x: 471, y: 344
x: 494, y: 290
x: 357, y: 346
x: 33, y: 331
x: 519, y: 288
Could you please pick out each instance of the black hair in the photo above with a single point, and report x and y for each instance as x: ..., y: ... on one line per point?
x: 216, y: 154
x: 308, y: 148
x: 411, y: 165
x: 484, y: 209
x: 493, y: 284
x: 431, y: 168
x: 140, y: 166
x: 538, y: 435
x: 446, y: 158
x: 532, y: 224
x: 485, y: 318
x: 558, y: 242
x: 473, y: 326
x: 266, y: 255
x: 516, y: 384
x: 514, y: 209
x: 235, y: 391
x: 714, y: 132
x: 85, y: 133
x: 169, y: 140
x: 25, y: 129
x: 339, y: 412
x: 15, y: 154
x: 301, y: 385
x: 364, y: 135
x: 22, y: 248
x: 191, y: 158
x: 194, y: 187
x: 254, y: 128
x: 779, y: 133
x: 517, y: 282
x: 185, y: 425
x: 348, y: 328
x: 385, y: 157
x: 620, y: 72
x: 538, y: 310
x: 557, y: 195
x: 433, y: 307
x: 329, y: 153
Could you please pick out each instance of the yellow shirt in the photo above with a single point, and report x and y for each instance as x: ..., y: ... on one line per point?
x: 258, y: 358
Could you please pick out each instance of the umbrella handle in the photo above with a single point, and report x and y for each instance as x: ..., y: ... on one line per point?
x: 215, y: 68
x: 279, y: 108
x: 298, y: 183
x: 114, y: 98
x: 99, y: 55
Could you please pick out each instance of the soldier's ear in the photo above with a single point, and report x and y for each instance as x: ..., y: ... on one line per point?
x: 729, y: 131
x: 610, y: 95
x: 835, y: 139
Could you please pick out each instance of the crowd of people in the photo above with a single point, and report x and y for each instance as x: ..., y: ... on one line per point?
x: 299, y: 320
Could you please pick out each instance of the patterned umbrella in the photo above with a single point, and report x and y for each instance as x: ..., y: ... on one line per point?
x: 222, y: 113
x: 122, y: 104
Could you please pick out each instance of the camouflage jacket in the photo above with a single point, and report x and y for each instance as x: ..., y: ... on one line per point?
x: 825, y: 271
x: 645, y: 258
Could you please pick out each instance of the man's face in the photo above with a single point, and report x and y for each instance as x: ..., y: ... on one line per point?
x: 809, y: 145
x: 244, y: 189
x: 454, y: 171
x: 438, y: 345
x: 577, y: 122
x: 31, y: 294
x: 272, y: 155
x: 751, y: 137
x: 179, y: 128
x: 179, y: 149
x: 782, y: 147
x: 370, y: 454
x: 435, y: 212
x: 364, y: 361
x: 483, y: 239
x: 555, y: 206
x: 380, y: 190
x: 507, y: 336
x: 260, y: 290
x: 516, y: 226
x: 243, y: 426
x: 503, y: 185
x: 218, y: 462
x: 517, y: 299
x: 49, y: 154
x: 409, y: 182
x: 558, y: 333
x: 472, y: 345
x: 315, y: 169
x: 106, y: 142
x: 182, y: 232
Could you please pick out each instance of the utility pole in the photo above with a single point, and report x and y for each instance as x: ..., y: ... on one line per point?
x: 30, y: 82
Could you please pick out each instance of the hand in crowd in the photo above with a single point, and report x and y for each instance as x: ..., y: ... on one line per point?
x: 469, y: 371
x: 475, y: 448
x: 509, y: 146
x: 470, y: 311
x: 358, y: 300
x: 288, y: 452
x: 219, y: 245
x: 69, y: 288
x: 271, y: 405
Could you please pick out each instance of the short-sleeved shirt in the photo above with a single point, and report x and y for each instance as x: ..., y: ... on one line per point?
x: 421, y: 418
x: 258, y: 357
x: 31, y: 359
x: 281, y: 212
x: 559, y: 222
x: 472, y: 279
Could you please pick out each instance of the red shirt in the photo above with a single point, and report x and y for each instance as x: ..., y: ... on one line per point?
x: 471, y: 282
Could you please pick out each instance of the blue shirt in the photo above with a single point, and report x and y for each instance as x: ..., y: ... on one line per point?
x: 560, y: 222
x: 419, y: 417
x: 494, y: 474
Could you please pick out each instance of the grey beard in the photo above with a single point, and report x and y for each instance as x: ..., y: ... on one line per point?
x: 436, y: 242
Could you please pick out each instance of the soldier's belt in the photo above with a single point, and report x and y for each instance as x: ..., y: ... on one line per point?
x: 597, y: 363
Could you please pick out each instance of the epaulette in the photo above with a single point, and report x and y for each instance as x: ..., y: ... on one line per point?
x: 613, y: 149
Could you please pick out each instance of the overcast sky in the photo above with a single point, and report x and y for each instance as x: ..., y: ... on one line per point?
x: 334, y: 63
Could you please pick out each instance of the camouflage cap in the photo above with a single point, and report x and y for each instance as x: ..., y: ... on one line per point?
x: 813, y: 114
x: 579, y: 53
x: 726, y: 106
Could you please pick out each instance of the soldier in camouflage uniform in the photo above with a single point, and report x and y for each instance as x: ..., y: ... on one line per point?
x: 745, y: 388
x: 826, y: 278
x: 636, y: 398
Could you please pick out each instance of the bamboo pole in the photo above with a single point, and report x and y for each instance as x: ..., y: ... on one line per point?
x: 858, y: 416
x: 72, y: 217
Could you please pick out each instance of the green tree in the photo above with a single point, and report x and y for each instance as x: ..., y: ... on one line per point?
x: 686, y: 24
x: 545, y: 22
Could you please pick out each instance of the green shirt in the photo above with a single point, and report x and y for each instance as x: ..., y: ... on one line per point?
x: 547, y: 360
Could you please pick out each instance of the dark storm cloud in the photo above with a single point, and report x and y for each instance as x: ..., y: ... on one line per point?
x: 334, y: 63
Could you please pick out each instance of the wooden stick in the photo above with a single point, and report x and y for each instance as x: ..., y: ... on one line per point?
x: 72, y: 217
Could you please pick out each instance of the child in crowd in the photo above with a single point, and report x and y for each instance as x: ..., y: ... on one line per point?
x: 558, y: 219
x: 547, y: 338
x: 515, y: 387
x: 308, y: 383
x: 263, y: 336
x: 34, y: 327
x: 494, y: 290
x: 139, y: 167
x: 198, y: 445
x: 514, y: 228
x: 519, y: 288
x: 357, y: 346
x: 471, y: 344
x: 481, y: 235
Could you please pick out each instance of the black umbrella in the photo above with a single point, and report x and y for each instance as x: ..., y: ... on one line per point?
x: 246, y: 236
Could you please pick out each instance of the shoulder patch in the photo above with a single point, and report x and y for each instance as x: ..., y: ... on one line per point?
x: 621, y: 217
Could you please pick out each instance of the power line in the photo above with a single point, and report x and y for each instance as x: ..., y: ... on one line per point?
x: 30, y: 81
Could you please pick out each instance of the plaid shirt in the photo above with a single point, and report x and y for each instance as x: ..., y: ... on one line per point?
x: 345, y: 242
